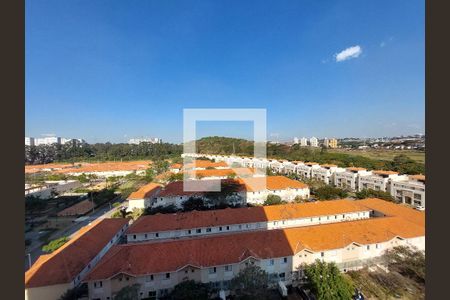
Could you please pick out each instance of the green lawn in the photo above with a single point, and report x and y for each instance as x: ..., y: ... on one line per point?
x: 384, y: 154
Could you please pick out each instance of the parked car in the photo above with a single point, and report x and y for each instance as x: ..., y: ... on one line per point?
x: 421, y: 208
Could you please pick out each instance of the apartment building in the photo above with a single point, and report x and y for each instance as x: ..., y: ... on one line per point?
x: 53, y: 274
x: 303, y: 142
x: 29, y: 141
x: 203, y: 223
x: 349, y: 178
x: 326, y: 173
x: 314, y: 142
x: 143, y: 197
x: 410, y: 190
x: 379, y: 180
x: 216, y: 259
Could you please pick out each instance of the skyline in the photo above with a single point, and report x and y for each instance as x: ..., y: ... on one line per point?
x: 109, y: 72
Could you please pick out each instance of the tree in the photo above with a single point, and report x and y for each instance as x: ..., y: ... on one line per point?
x: 168, y: 209
x: 326, y: 281
x: 328, y: 192
x: 273, y: 200
x: 190, y: 290
x: 33, y: 203
x: 369, y: 193
x: 130, y: 292
x: 250, y: 283
x: 408, y: 261
x: 55, y: 244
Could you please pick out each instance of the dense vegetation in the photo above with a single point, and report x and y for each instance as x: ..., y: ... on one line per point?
x: 225, y: 146
x: 55, y: 244
x: 405, y: 279
x: 369, y: 193
x: 75, y: 151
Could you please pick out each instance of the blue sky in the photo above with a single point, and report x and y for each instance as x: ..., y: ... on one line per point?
x: 113, y: 70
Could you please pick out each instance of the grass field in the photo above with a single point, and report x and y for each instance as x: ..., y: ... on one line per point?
x: 383, y: 154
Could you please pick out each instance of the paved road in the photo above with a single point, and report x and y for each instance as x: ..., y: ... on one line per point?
x: 104, y: 211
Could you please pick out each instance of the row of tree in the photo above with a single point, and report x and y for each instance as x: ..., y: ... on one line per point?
x: 76, y: 151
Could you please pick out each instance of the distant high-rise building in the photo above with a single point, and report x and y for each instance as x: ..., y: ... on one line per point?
x: 48, y: 140
x: 304, y: 142
x: 29, y: 141
x: 314, y: 142
x: 330, y: 143
x: 145, y: 140
x: 296, y: 140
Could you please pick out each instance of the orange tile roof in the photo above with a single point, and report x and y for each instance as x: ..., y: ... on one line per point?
x: 176, y: 188
x: 77, y: 209
x: 356, y: 169
x: 396, y: 210
x: 176, y: 166
x: 272, y: 183
x: 108, y: 167
x: 62, y: 265
x: 205, y: 164
x: 383, y: 172
x: 220, y: 172
x: 146, y: 191
x: 195, y: 219
x: 418, y: 177
x: 311, y: 163
x: 158, y: 257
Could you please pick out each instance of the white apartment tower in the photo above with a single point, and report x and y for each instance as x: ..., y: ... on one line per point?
x: 303, y: 142
x: 314, y: 142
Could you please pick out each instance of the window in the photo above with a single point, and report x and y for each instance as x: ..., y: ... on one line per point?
x: 284, y: 260
x: 220, y: 228
x: 199, y: 230
x: 208, y: 229
x: 322, y: 254
x: 149, y: 278
x: 228, y: 227
x: 167, y: 275
x: 152, y: 294
x: 134, y: 236
x: 247, y: 225
x: 212, y: 270
x: 145, y: 235
x: 157, y: 234
x: 282, y: 276
x: 189, y: 231
x: 240, y: 226
x: 319, y: 218
x: 271, y: 262
x: 335, y: 217
x: 368, y: 247
x: 98, y: 284
x: 228, y: 268
x: 275, y: 223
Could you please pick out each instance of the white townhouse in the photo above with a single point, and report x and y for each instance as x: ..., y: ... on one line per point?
x: 410, y: 190
x: 326, y: 173
x: 160, y: 265
x: 143, y: 197
x: 210, y: 222
x: 305, y: 170
x: 379, y: 180
x: 349, y: 179
x: 258, y: 188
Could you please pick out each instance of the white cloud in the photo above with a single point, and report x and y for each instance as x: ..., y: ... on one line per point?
x: 351, y: 52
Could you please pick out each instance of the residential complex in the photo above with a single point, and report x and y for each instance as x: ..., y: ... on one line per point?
x: 314, y: 142
x: 404, y: 188
x: 215, y: 258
